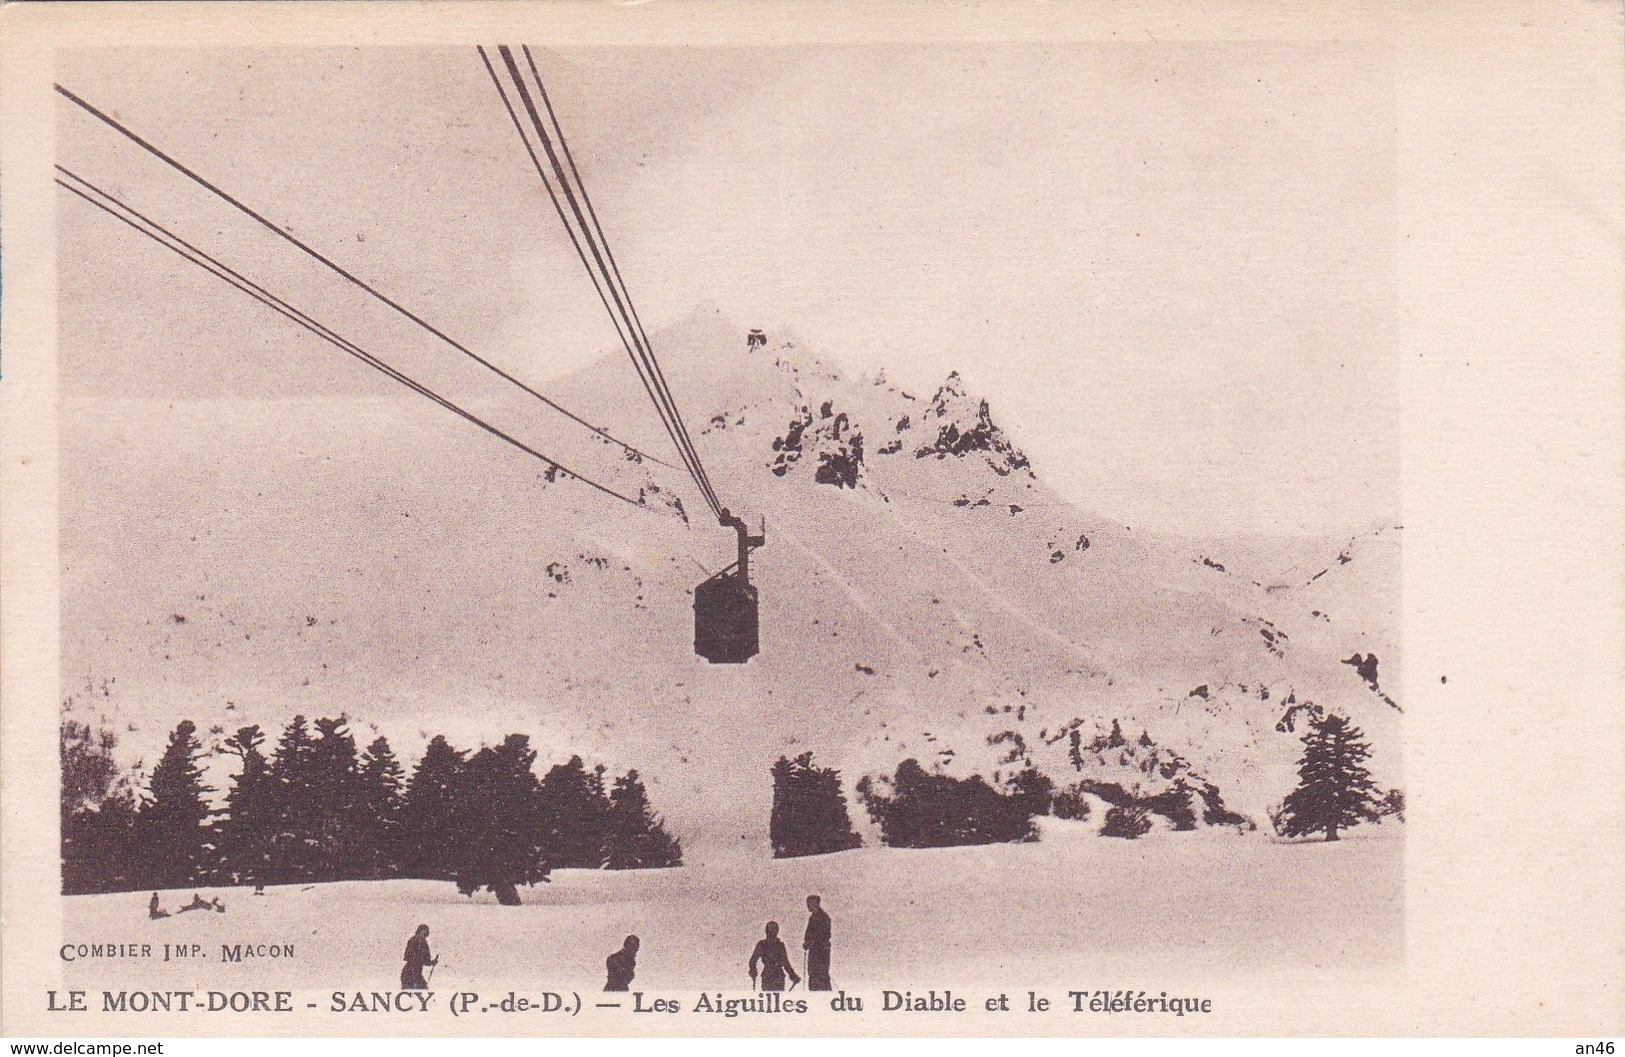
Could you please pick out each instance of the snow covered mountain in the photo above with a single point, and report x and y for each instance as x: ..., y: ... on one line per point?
x: 923, y: 592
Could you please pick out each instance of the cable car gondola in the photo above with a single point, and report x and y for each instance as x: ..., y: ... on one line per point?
x: 725, y: 610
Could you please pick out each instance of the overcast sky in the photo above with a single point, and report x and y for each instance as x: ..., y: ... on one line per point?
x: 1167, y: 266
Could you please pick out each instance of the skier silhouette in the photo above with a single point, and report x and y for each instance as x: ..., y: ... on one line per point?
x: 816, y: 943
x: 774, y: 960
x: 622, y: 966
x: 417, y: 956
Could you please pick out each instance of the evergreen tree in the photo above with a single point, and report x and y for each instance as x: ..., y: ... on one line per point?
x: 98, y: 814
x: 1030, y: 791
x: 335, y: 785
x: 1069, y: 803
x: 171, y: 825
x: 293, y: 832
x: 251, y: 806
x: 90, y: 776
x: 1334, y: 790
x: 921, y: 810
x: 1130, y: 821
x: 809, y: 815
x: 1392, y: 805
x: 433, y: 823
x: 1177, y: 805
x: 505, y: 846
x: 381, y: 785
x: 637, y: 839
x: 575, y: 813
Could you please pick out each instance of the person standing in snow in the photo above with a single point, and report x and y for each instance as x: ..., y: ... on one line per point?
x: 417, y: 956
x: 816, y: 943
x: 154, y: 910
x: 622, y: 966
x: 774, y: 961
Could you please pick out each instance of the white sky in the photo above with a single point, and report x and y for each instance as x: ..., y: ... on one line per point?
x: 1168, y: 267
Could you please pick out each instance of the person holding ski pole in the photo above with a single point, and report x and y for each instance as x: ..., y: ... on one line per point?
x: 774, y: 961
x: 417, y: 956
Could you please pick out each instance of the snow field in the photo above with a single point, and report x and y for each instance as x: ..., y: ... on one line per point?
x: 1073, y: 909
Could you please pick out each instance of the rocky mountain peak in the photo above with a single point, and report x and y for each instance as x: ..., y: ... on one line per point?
x: 957, y: 424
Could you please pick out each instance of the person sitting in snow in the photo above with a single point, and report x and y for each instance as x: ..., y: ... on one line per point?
x: 417, y: 956
x: 774, y: 960
x: 155, y: 911
x: 197, y: 903
x: 622, y: 966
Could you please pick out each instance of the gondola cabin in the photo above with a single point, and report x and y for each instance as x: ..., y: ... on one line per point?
x: 725, y: 610
x: 725, y: 623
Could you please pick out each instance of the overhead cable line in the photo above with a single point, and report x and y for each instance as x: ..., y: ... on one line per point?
x: 345, y: 274
x: 601, y: 270
x: 130, y: 216
x: 586, y: 199
x: 617, y: 321
x: 602, y: 278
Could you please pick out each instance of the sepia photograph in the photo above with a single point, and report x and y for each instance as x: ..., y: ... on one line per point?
x: 780, y: 534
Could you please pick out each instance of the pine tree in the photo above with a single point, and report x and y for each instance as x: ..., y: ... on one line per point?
x: 1334, y: 790
x: 335, y: 785
x: 433, y: 822
x: 171, y: 824
x: 916, y: 809
x: 575, y: 813
x: 245, y: 833
x: 293, y: 831
x: 809, y: 814
x: 382, y: 783
x: 1130, y: 821
x: 505, y: 846
x: 1069, y: 803
x: 98, y: 814
x: 637, y: 838
x: 1177, y: 805
x: 1030, y: 791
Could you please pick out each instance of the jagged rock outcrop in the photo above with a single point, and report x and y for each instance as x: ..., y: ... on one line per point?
x: 1141, y: 775
x: 830, y: 438
x: 956, y: 425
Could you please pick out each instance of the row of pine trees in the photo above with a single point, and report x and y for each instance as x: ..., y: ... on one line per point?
x: 316, y: 808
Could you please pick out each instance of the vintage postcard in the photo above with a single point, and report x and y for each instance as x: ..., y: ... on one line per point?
x: 812, y: 519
